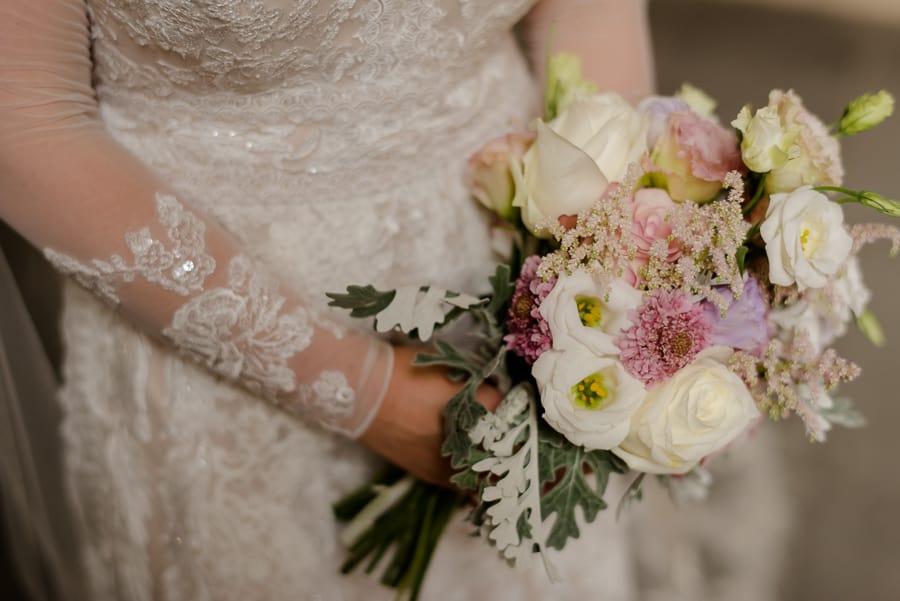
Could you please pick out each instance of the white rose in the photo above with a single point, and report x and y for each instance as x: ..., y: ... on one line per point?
x: 766, y: 143
x: 586, y: 398
x: 693, y: 414
x: 805, y: 238
x: 582, y: 314
x: 576, y: 156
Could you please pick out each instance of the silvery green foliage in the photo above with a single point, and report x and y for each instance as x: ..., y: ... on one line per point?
x: 843, y: 413
x: 408, y: 308
x: 509, y: 436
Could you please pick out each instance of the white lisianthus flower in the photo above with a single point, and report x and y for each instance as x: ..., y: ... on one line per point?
x: 766, y: 144
x: 693, y: 414
x: 587, y: 398
x: 582, y: 315
x: 805, y: 238
x: 576, y: 156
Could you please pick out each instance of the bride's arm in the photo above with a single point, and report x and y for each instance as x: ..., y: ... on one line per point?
x: 611, y: 37
x: 107, y: 220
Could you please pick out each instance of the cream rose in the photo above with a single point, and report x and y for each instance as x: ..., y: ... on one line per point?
x: 805, y: 238
x: 696, y: 412
x: 766, y: 144
x: 587, y: 398
x: 817, y: 159
x: 576, y: 157
x: 582, y: 315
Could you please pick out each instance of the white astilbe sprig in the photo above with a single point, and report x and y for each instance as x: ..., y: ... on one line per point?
x: 510, y: 436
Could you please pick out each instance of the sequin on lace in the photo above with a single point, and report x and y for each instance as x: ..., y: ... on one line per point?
x: 181, y: 267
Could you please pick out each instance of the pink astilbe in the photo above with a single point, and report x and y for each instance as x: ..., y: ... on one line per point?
x: 867, y: 233
x: 669, y: 330
x: 709, y: 236
x: 776, y: 378
x: 600, y: 241
x: 529, y: 335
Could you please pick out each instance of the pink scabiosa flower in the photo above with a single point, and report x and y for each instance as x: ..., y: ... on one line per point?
x: 529, y: 335
x: 668, y: 331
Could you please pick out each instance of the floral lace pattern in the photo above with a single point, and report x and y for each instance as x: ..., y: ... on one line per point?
x: 181, y: 268
x: 241, y: 333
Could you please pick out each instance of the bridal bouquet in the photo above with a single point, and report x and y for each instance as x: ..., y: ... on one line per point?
x: 671, y: 282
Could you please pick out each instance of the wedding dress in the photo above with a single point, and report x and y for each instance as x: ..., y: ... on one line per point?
x: 284, y: 149
x: 209, y: 170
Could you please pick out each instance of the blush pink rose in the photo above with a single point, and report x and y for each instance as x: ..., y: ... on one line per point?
x: 693, y: 155
x: 488, y: 176
x: 649, y: 211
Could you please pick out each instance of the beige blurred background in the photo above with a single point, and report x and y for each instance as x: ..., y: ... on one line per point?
x: 844, y: 543
x: 845, y: 540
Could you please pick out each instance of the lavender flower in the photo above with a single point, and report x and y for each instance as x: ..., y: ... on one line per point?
x: 743, y: 325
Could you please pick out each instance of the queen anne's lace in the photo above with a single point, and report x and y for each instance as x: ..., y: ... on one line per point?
x: 181, y: 267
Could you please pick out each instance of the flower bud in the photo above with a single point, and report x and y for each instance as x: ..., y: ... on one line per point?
x: 564, y: 84
x: 866, y: 112
x: 699, y: 101
x: 870, y: 327
x: 767, y: 144
x: 878, y: 202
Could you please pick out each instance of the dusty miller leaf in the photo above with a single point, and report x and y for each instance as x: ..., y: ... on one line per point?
x: 363, y: 301
x: 460, y: 415
x: 502, y: 287
x: 568, y: 468
x: 843, y: 413
x: 509, y: 435
x: 448, y: 356
x: 421, y: 309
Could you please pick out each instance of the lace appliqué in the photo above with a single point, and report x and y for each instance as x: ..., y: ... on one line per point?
x: 181, y: 269
x: 240, y: 333
x: 331, y: 395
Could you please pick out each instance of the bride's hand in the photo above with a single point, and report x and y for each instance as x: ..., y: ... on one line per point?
x: 408, y: 428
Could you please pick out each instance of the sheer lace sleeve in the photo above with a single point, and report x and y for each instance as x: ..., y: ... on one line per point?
x: 107, y: 221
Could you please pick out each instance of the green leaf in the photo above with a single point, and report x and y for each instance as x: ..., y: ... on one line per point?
x: 460, y: 415
x: 448, y: 356
x: 568, y: 468
x: 364, y: 301
x: 503, y: 287
x: 741, y: 257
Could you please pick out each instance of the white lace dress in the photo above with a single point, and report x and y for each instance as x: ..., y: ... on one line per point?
x: 329, y: 138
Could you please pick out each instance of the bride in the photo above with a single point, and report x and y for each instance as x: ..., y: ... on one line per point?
x: 208, y: 171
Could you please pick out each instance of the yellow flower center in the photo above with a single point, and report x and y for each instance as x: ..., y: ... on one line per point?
x: 592, y: 392
x: 589, y: 311
x: 811, y: 238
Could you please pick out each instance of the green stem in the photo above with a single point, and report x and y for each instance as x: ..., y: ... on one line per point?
x: 757, y: 195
